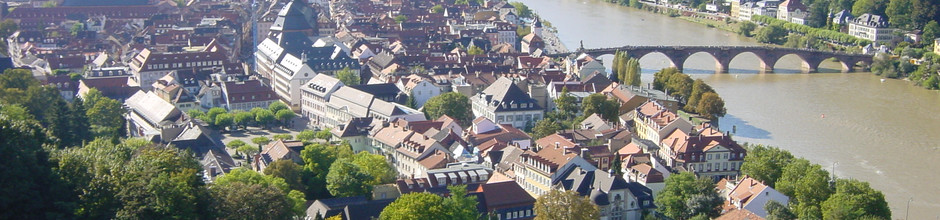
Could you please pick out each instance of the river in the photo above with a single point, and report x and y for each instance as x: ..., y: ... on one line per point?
x: 882, y: 133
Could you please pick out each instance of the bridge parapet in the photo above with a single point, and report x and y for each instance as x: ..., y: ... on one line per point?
x: 723, y: 55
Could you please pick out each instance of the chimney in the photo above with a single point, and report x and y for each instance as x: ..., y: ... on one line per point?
x: 557, y: 144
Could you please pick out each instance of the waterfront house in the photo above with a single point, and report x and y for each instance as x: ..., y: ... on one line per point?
x: 654, y: 122
x: 752, y: 195
x: 871, y: 27
x: 707, y: 153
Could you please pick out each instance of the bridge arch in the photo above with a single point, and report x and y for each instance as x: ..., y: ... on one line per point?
x: 641, y: 54
x: 760, y: 67
x: 720, y: 65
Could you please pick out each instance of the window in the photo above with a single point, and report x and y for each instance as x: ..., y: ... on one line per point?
x: 499, y: 118
x: 709, y: 166
x: 518, y: 117
x: 709, y: 156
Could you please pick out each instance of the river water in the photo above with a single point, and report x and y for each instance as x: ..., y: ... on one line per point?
x: 883, y: 133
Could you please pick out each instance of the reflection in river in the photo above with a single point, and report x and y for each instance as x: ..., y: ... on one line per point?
x: 884, y: 133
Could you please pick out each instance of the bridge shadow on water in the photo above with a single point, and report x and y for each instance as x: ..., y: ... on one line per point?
x: 694, y: 71
x: 742, y: 128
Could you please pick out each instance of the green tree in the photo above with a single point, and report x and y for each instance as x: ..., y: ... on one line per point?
x: 545, y: 127
x: 685, y: 196
x: 193, y: 113
x: 522, y: 31
x: 306, y: 135
x: 414, y: 206
x: 247, y: 176
x: 772, y: 34
x: 247, y: 150
x: 452, y: 104
x: 324, y: 134
x: 806, y: 184
x: 566, y: 106
x: 661, y: 77
x: 459, y: 206
x: 284, y: 137
x: 224, y: 120
x: 931, y: 31
x: 16, y: 112
x: 559, y: 204
x: 161, y: 183
x: 76, y: 28
x: 699, y: 87
x: 401, y: 18
x: 899, y: 13
x: 317, y: 161
x: 285, y: 115
x: 239, y: 200
x: 777, y: 211
x: 474, y: 50
x: 430, y: 206
x: 277, y: 106
x: 876, y: 7
x: 601, y: 105
x: 345, y: 179
x: 746, y: 28
x: 711, y: 106
x: 680, y: 85
x: 215, y: 112
x: 632, y: 72
x: 437, y: 9
x: 235, y: 144
x: 242, y: 119
x: 265, y: 117
x: 855, y: 199
x: 765, y: 163
x: 252, y: 178
x: 106, y: 114
x: 290, y: 172
x: 261, y: 140
x: 348, y: 77
x: 31, y: 189
x: 376, y: 166
x: 818, y: 14
x: 522, y: 9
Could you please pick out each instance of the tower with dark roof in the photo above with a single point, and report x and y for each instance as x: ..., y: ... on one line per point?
x: 296, y: 16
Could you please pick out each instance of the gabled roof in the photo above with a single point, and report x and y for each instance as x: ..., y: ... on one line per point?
x: 296, y: 15
x: 507, y: 193
x: 504, y: 92
x: 152, y: 108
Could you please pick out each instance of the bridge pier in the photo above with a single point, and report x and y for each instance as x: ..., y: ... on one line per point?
x: 723, y: 64
x: 767, y: 66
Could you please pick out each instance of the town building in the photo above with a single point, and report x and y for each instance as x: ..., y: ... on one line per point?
x: 315, y: 95
x: 504, y: 102
x: 616, y: 198
x: 752, y: 195
x: 653, y: 121
x: 149, y: 66
x: 871, y: 27
x: 288, y: 57
x: 277, y: 150
x: 707, y: 153
x: 793, y: 11
x: 148, y: 114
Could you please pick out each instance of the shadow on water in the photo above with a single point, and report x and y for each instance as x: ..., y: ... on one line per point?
x: 742, y: 128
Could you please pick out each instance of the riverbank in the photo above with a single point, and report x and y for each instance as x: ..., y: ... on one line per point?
x: 854, y: 134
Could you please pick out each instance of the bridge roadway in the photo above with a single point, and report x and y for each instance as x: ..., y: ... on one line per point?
x: 723, y: 55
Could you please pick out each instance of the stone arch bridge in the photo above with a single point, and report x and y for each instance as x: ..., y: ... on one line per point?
x: 768, y: 56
